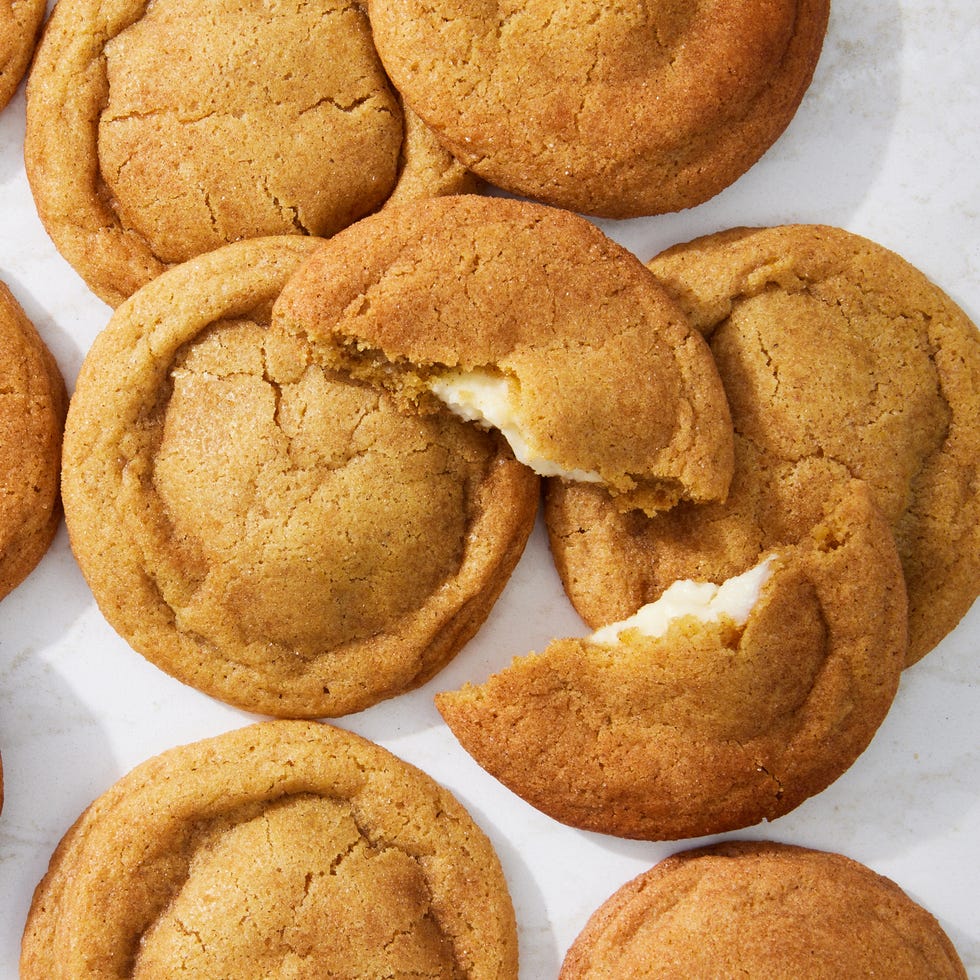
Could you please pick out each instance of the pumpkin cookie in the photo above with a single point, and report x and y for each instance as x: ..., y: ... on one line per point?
x: 711, y: 710
x: 32, y: 415
x: 762, y: 910
x: 839, y: 360
x: 612, y: 109
x: 262, y: 528
x: 159, y: 131
x: 281, y: 849
x: 20, y: 21
x: 529, y: 320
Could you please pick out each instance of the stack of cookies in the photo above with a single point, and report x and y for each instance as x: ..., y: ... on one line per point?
x: 307, y: 451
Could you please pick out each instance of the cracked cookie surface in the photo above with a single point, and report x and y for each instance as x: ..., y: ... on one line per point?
x: 712, y: 725
x: 32, y: 415
x: 286, y: 849
x: 604, y: 108
x: 839, y: 360
x: 603, y: 371
x: 263, y: 529
x: 761, y: 909
x: 20, y: 21
x: 158, y: 131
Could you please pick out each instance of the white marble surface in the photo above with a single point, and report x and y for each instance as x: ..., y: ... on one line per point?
x: 887, y: 144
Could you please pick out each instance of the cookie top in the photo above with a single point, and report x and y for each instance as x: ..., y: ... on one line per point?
x: 156, y: 132
x: 32, y: 414
x: 281, y: 849
x: 20, y: 21
x: 719, y: 717
x: 529, y: 319
x: 839, y: 360
x: 614, y: 110
x: 764, y: 910
x: 266, y: 530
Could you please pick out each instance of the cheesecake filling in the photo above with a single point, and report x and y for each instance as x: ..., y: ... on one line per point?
x: 487, y: 399
x: 734, y: 598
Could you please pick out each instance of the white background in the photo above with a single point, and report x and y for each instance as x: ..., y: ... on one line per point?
x: 886, y: 144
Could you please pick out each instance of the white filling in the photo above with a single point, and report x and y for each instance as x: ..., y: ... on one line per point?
x: 708, y: 602
x: 485, y: 398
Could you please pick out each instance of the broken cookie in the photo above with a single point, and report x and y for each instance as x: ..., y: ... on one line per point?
x: 531, y: 320
x: 716, y: 707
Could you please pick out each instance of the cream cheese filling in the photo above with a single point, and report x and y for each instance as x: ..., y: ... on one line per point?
x: 488, y: 400
x: 706, y: 601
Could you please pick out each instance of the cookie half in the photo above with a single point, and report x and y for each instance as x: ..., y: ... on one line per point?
x: 281, y: 849
x: 20, y: 22
x: 32, y: 415
x: 839, y: 360
x: 531, y: 321
x: 615, y: 110
x: 711, y: 714
x: 157, y: 132
x: 264, y: 529
x: 764, y: 910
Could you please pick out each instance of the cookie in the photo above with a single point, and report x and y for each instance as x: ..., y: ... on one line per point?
x: 263, y: 529
x: 32, y: 414
x: 281, y: 849
x: 529, y: 320
x: 765, y: 910
x: 716, y: 712
x: 20, y: 21
x: 157, y: 132
x: 839, y: 360
x: 613, y: 110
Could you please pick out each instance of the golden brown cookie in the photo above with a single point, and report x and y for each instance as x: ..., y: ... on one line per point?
x: 284, y: 849
x: 839, y: 360
x: 530, y: 320
x: 20, y: 21
x: 718, y: 714
x: 262, y: 528
x: 762, y: 910
x: 32, y: 415
x: 156, y: 132
x: 611, y: 109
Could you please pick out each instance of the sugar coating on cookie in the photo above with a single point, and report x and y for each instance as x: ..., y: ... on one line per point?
x: 761, y: 909
x: 266, y: 531
x: 32, y: 415
x: 717, y: 718
x: 839, y: 360
x: 595, y: 366
x: 159, y: 131
x: 20, y: 21
x: 281, y: 849
x: 610, y: 109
